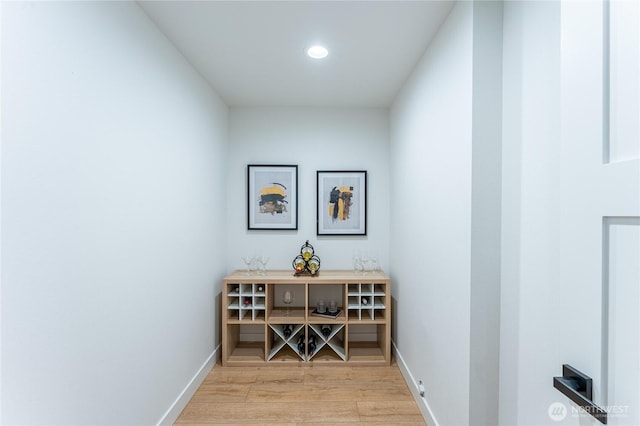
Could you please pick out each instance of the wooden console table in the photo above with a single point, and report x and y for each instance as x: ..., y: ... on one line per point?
x: 258, y: 329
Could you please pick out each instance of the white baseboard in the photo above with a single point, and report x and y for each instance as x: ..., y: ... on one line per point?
x: 183, y: 399
x: 422, y: 403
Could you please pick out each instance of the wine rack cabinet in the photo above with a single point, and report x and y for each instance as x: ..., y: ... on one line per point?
x: 259, y: 328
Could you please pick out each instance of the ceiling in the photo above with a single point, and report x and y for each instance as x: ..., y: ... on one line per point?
x: 253, y: 52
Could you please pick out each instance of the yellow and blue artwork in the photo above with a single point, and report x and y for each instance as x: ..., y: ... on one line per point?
x: 342, y: 208
x: 340, y: 201
x: 272, y: 197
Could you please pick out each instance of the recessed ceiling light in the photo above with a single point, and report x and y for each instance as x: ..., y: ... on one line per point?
x: 317, y: 52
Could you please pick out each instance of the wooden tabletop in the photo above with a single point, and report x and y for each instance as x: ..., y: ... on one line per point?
x: 323, y: 276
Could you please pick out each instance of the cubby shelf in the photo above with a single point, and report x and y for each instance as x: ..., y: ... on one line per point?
x: 254, y: 319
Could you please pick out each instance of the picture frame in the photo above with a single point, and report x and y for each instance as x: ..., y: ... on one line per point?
x: 272, y: 197
x: 341, y: 198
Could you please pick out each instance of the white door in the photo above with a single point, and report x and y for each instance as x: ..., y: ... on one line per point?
x: 599, y: 238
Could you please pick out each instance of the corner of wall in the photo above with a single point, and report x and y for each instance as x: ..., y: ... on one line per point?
x: 421, y: 401
x: 172, y: 414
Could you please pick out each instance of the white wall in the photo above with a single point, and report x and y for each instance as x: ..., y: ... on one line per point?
x: 314, y: 139
x: 431, y: 158
x: 113, y: 171
x: 486, y: 213
x: 531, y: 211
x: 446, y: 146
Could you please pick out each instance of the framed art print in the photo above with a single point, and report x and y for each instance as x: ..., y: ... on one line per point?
x: 272, y: 197
x: 341, y: 203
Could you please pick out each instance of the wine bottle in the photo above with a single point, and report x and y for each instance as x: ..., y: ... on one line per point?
x: 287, y: 331
x: 306, y: 251
x: 301, y: 345
x: 299, y: 264
x: 326, y: 330
x: 312, y: 345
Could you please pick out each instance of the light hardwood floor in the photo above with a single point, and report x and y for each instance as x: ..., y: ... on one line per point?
x: 309, y: 395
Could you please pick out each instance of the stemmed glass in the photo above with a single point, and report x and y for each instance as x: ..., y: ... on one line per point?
x: 263, y: 260
x: 357, y: 262
x: 248, y: 260
x: 364, y: 258
x: 375, y: 265
x: 287, y: 299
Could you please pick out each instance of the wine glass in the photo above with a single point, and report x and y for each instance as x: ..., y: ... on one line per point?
x: 287, y: 299
x: 357, y: 262
x: 364, y: 258
x: 375, y: 264
x: 248, y: 260
x: 263, y: 260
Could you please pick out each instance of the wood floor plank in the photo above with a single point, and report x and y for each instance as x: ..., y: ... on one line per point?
x: 281, y: 375
x: 269, y: 413
x: 221, y: 392
x: 368, y: 423
x: 225, y: 375
x: 182, y: 423
x: 328, y: 392
x: 352, y: 374
x: 389, y: 412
